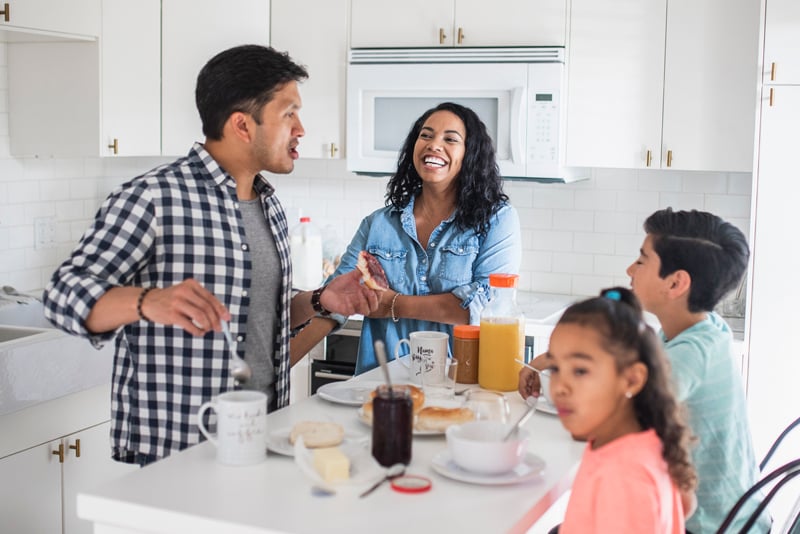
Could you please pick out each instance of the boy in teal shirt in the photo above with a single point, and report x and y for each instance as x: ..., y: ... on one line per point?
x: 689, y: 260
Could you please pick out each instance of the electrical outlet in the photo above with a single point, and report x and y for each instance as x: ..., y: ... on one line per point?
x: 44, y: 232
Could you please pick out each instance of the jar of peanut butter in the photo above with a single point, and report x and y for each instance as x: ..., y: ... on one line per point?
x: 466, y: 340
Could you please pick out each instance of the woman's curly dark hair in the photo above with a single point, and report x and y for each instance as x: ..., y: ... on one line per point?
x: 617, y: 316
x: 480, y: 191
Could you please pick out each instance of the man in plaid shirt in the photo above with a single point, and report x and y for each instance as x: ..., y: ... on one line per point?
x: 201, y: 240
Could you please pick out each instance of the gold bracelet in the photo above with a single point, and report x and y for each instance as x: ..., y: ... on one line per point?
x: 394, y: 317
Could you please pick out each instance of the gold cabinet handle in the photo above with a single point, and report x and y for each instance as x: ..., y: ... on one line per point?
x: 669, y: 158
x: 76, y: 448
x: 460, y: 35
x: 115, y: 146
x: 648, y: 158
x: 334, y: 150
x: 6, y: 12
x: 442, y: 36
x: 771, y: 70
x: 60, y: 453
x: 771, y: 96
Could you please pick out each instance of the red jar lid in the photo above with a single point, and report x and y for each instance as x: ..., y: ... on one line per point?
x: 467, y: 331
x: 503, y: 280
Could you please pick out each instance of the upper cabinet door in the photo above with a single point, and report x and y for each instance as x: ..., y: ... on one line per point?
x: 710, y: 85
x: 77, y: 17
x: 298, y: 26
x: 510, y: 23
x: 130, y: 56
x: 616, y: 78
x: 389, y: 23
x: 782, y: 42
x: 192, y: 32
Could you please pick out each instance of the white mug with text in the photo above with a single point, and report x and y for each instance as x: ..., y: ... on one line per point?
x: 241, y: 437
x: 428, y: 353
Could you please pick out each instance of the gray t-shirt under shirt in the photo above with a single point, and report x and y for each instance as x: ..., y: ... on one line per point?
x: 262, y: 317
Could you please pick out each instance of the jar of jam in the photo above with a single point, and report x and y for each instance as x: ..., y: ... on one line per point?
x: 465, y: 349
x: 392, y: 423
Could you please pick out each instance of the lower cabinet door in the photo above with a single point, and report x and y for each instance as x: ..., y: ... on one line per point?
x: 30, y: 490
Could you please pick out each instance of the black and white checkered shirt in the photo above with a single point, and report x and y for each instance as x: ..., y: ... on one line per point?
x: 178, y: 221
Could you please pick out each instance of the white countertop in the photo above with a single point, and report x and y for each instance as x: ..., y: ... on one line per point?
x: 190, y: 493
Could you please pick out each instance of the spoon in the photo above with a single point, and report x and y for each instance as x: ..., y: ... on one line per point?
x: 240, y: 369
x: 380, y: 352
x: 532, y: 368
x: 525, y: 416
x: 394, y: 471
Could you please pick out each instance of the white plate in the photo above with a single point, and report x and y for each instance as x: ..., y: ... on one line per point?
x: 364, y: 470
x: 278, y: 441
x: 543, y: 406
x: 351, y: 392
x: 436, y: 402
x: 531, y: 467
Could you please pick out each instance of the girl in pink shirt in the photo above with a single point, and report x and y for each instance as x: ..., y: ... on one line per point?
x: 610, y: 383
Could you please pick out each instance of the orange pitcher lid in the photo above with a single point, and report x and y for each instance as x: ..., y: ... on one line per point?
x: 503, y: 280
x: 467, y: 331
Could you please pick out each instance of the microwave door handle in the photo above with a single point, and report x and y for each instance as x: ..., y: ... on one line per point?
x: 517, y: 125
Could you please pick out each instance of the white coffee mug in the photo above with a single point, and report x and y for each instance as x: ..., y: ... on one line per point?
x: 241, y: 437
x: 428, y: 353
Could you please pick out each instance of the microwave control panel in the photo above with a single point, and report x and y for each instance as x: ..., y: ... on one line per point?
x: 544, y: 118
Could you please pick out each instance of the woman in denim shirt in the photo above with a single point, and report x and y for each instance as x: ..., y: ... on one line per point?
x: 446, y: 226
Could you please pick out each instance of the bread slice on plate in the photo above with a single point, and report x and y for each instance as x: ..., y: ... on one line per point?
x: 317, y: 434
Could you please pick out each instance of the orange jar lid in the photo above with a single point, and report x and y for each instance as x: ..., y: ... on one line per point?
x: 467, y: 331
x: 503, y: 280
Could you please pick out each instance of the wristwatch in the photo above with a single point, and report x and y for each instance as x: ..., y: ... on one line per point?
x: 316, y: 304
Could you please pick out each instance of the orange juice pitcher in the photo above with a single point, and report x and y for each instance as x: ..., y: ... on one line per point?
x: 502, y: 336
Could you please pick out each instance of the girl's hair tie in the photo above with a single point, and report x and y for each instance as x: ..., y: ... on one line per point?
x: 613, y: 294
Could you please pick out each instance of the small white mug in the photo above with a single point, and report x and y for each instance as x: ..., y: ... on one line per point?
x: 241, y: 437
x: 428, y: 353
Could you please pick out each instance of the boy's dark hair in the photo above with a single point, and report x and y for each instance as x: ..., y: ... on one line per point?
x: 243, y: 78
x: 712, y: 251
x: 617, y: 316
x: 480, y: 186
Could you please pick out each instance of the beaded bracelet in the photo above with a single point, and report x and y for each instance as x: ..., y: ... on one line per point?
x: 144, y: 292
x: 394, y: 317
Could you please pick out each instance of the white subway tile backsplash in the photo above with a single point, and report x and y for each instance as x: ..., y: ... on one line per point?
x: 594, y: 243
x: 537, y: 261
x: 54, y: 190
x: 637, y: 201
x: 700, y: 182
x: 70, y: 210
x: 615, y: 223
x: 559, y: 283
x: 610, y: 265
x: 614, y: 179
x: 23, y: 191
x: 728, y: 205
x: 537, y: 219
x: 39, y: 169
x: 740, y: 183
x: 553, y: 197
x: 628, y: 245
x: 570, y: 262
x: 576, y: 221
x: 657, y: 180
x: 552, y: 240
x: 590, y: 286
x: 596, y: 200
x: 680, y: 201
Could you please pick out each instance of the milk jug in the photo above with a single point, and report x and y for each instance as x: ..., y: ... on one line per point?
x: 502, y: 334
x: 305, y: 241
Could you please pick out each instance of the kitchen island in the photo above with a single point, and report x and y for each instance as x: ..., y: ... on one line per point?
x: 190, y: 493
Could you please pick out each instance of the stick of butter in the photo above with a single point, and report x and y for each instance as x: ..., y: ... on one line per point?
x: 332, y: 464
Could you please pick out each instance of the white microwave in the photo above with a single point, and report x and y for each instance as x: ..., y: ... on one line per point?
x: 517, y: 92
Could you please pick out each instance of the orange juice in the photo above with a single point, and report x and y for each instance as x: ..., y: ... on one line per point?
x: 502, y: 342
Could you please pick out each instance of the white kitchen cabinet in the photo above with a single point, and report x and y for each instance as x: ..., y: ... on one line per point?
x: 192, y: 32
x: 38, y: 492
x: 389, y: 23
x: 130, y: 58
x: 76, y: 18
x: 298, y: 26
x: 667, y: 84
x: 782, y: 42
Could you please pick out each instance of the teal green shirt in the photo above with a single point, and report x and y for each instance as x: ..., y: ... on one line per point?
x: 708, y: 381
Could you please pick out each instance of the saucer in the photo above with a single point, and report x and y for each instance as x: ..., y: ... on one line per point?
x: 531, y: 467
x: 350, y: 392
x: 278, y: 441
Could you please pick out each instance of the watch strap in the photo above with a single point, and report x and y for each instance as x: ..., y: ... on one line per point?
x: 316, y: 304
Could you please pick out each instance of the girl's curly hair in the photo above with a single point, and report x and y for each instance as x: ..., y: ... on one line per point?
x: 480, y: 191
x: 617, y: 316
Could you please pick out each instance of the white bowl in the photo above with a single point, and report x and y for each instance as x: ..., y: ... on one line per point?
x: 477, y: 446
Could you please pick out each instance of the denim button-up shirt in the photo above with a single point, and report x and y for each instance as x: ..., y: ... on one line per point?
x: 456, y: 261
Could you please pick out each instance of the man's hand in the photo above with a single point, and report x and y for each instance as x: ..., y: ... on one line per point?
x: 346, y: 295
x: 188, y: 305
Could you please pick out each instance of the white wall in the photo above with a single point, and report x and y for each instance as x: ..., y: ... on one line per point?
x: 577, y: 238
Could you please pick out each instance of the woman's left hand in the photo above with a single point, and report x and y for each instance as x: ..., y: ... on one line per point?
x: 384, y: 309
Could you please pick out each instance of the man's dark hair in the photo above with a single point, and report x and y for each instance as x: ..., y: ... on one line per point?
x: 243, y: 78
x: 712, y: 251
x: 480, y: 186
